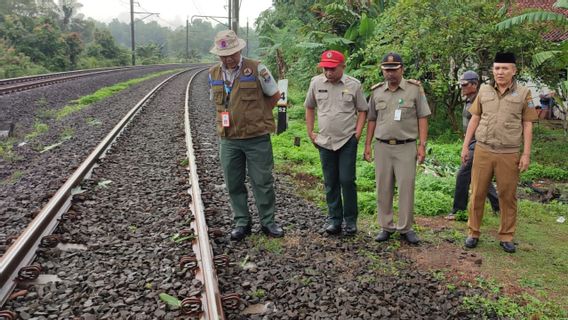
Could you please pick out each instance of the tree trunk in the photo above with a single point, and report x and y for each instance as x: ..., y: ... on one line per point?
x: 281, y: 64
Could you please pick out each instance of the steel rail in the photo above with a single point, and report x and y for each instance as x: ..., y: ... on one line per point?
x: 211, y: 301
x: 22, y: 252
x: 55, y: 74
x: 24, y: 83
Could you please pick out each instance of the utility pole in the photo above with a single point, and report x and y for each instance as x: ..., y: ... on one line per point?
x: 235, y: 16
x: 132, y: 32
x: 247, y: 37
x: 230, y: 14
x: 187, y: 40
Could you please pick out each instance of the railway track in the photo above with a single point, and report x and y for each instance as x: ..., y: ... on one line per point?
x: 12, y: 85
x: 15, y: 265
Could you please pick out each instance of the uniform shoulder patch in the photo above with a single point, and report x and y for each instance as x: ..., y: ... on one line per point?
x: 377, y: 85
x: 414, y: 82
x: 265, y: 75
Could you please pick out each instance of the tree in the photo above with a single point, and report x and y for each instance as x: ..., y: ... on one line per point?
x: 438, y: 40
x: 74, y: 48
x: 553, y: 62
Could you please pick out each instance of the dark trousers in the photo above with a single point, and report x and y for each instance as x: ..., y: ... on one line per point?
x: 463, y: 180
x: 252, y: 156
x: 339, y: 179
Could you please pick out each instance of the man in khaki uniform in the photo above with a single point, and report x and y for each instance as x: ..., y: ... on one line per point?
x: 502, y: 116
x: 244, y: 93
x: 398, y: 112
x: 341, y: 111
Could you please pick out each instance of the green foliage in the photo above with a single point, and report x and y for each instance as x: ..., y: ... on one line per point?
x: 538, y: 171
x: 272, y: 245
x: 170, y: 300
x: 14, y: 64
x: 505, y: 307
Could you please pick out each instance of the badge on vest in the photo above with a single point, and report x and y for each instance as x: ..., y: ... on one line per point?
x: 247, y: 72
x: 225, y: 119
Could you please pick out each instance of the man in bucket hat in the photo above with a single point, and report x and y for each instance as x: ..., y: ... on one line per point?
x: 244, y: 93
x: 469, y: 84
x: 502, y: 116
x: 398, y: 114
x: 341, y: 111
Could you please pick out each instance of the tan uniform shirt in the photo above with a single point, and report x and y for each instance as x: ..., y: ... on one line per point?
x: 409, y: 97
x: 502, y: 115
x: 337, y: 105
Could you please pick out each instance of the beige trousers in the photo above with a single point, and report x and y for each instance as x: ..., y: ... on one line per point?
x: 395, y: 163
x: 504, y: 166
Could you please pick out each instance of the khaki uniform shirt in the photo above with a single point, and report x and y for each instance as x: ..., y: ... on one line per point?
x: 409, y: 97
x: 502, y: 115
x: 337, y: 105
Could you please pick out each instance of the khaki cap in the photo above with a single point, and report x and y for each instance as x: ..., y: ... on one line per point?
x: 227, y: 43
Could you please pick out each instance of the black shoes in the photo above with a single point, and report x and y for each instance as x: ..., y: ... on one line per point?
x: 383, y: 236
x: 350, y: 230
x: 273, y: 230
x: 331, y: 228
x: 471, y: 242
x: 508, y: 246
x: 239, y: 233
x: 411, y: 237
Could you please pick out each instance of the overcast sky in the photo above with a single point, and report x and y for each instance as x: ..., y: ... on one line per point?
x: 172, y: 12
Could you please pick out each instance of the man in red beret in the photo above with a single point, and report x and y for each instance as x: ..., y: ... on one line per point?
x: 341, y: 112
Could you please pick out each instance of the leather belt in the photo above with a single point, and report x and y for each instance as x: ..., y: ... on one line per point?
x: 394, y: 141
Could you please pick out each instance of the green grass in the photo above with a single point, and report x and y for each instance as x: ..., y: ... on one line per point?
x: 83, y: 102
x: 13, y: 178
x: 263, y: 243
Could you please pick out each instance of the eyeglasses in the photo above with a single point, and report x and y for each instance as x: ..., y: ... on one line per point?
x: 463, y: 85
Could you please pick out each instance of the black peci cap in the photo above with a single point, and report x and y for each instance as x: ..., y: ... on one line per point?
x: 505, y: 57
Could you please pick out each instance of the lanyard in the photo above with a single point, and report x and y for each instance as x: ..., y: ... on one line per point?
x: 228, y: 85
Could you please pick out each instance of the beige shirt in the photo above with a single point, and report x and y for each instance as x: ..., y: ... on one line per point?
x: 337, y: 105
x: 500, y: 128
x: 409, y: 97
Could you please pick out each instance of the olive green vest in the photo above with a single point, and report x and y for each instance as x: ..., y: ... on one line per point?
x: 501, y: 123
x: 250, y: 114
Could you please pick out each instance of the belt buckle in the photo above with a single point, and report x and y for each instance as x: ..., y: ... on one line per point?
x: 392, y: 141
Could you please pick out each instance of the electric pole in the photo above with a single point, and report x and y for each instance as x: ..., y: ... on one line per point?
x: 132, y: 32
x: 234, y: 22
x: 230, y: 14
x: 187, y: 40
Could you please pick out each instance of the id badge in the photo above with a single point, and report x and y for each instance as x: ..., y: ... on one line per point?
x: 397, y: 114
x: 225, y: 119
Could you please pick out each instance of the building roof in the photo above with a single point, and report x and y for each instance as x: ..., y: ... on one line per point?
x: 556, y: 34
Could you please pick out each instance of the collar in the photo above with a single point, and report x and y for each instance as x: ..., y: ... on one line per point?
x: 402, y: 85
x: 468, y: 100
x: 511, y: 88
x: 233, y: 70
x: 342, y: 79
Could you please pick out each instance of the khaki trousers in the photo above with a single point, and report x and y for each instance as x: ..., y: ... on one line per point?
x: 395, y: 163
x: 504, y: 166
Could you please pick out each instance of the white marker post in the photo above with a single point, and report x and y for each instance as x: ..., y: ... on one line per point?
x: 282, y: 106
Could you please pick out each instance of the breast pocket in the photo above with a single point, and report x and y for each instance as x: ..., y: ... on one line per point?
x: 408, y: 110
x: 218, y: 96
x: 248, y: 91
x: 347, y: 103
x: 381, y: 108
